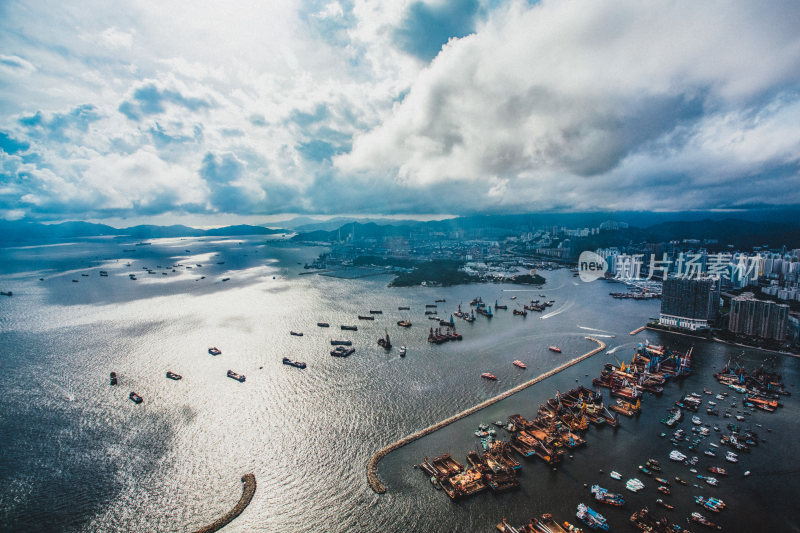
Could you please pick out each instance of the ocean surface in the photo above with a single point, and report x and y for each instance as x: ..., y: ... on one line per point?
x: 78, y: 455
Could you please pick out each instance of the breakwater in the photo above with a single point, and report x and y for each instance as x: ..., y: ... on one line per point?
x: 248, y: 490
x: 372, y: 465
x: 638, y: 330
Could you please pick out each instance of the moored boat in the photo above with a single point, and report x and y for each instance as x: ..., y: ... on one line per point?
x: 404, y: 323
x: 555, y: 349
x: 487, y: 375
x: 341, y: 351
x: 296, y: 333
x: 591, y: 518
x: 402, y: 351
x: 323, y: 324
x: 135, y: 398
x: 336, y: 342
x: 520, y: 364
x: 350, y: 328
x: 603, y: 496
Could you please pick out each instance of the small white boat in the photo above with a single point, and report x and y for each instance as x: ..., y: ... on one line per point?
x: 696, y: 420
x: 616, y: 475
x: 634, y: 485
x: 746, y: 472
x: 675, y: 455
x: 402, y: 351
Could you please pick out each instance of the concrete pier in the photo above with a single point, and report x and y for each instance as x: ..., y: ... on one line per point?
x: 372, y: 465
x: 248, y: 490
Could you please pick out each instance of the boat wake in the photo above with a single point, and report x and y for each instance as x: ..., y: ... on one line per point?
x: 615, y: 348
x: 568, y: 305
x: 595, y: 329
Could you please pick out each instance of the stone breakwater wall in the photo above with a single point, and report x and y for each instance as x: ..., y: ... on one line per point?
x: 372, y: 465
x: 248, y: 490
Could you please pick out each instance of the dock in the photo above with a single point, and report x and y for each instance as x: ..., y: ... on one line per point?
x: 248, y: 490
x: 372, y: 465
x: 638, y: 330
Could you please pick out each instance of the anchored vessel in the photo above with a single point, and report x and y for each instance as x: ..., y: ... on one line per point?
x: 214, y: 350
x: 135, y: 397
x: 173, y: 375
x: 238, y: 377
x: 298, y: 364
x: 113, y: 378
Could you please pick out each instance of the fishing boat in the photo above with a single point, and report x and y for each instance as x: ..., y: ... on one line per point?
x: 519, y: 313
x: 663, y: 489
x: 681, y: 481
x: 298, y: 364
x: 402, y: 351
x: 731, y: 457
x: 603, y: 496
x: 349, y: 328
x: 555, y: 349
x: 404, y: 323
x: 173, y: 375
x: 296, y: 333
x: 662, y: 480
x: 645, y: 471
x: 238, y: 377
x: 214, y: 350
x: 323, y: 324
x: 591, y: 518
x: 135, y: 398
x: 615, y: 475
x: 717, y: 470
x: 487, y: 375
x: 520, y: 364
x: 696, y: 420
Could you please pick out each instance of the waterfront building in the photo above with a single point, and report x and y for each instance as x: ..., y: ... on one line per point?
x: 689, y: 303
x: 758, y: 318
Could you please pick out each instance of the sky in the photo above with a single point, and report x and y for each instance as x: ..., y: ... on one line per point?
x: 239, y: 110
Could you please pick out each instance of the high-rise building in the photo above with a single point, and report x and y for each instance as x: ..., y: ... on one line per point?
x: 758, y: 318
x: 689, y: 303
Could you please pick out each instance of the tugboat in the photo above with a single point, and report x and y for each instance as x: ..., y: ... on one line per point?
x: 173, y: 375
x: 296, y: 333
x: 341, y: 351
x: 591, y: 518
x: 238, y: 377
x: 113, y: 377
x: 664, y: 504
x: 555, y: 349
x: 520, y: 364
x: 404, y: 323
x: 214, y: 350
x: 402, y: 351
x: 298, y: 364
x: 135, y: 398
x: 487, y: 375
x: 385, y: 343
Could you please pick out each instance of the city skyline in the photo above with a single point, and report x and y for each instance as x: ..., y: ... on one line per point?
x: 412, y: 110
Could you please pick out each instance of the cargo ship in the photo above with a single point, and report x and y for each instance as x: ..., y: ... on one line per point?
x: 296, y: 333
x: 366, y: 317
x: 349, y: 328
x: 335, y: 342
x: 298, y: 364
x: 323, y: 324
x: 341, y: 351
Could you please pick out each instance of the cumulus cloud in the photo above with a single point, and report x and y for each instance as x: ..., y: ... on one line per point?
x: 544, y: 95
x: 415, y: 106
